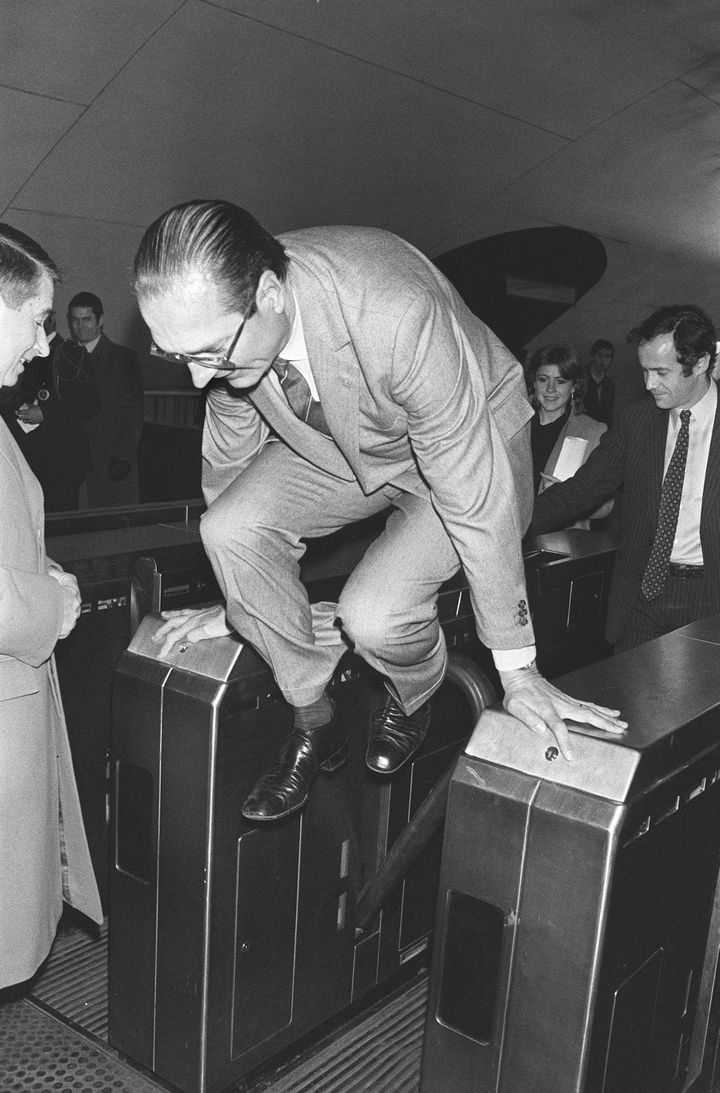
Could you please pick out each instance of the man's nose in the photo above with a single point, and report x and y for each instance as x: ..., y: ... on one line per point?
x: 200, y: 376
x: 42, y: 345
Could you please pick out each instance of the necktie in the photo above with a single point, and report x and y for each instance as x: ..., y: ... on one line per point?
x: 297, y: 391
x: 656, y: 572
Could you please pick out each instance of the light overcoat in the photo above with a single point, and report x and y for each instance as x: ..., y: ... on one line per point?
x: 44, y: 855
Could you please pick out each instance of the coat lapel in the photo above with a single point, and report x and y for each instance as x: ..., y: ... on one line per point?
x: 656, y: 460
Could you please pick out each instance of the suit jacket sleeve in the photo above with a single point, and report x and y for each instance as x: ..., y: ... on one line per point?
x: 596, y: 481
x: 438, y: 382
x: 234, y: 433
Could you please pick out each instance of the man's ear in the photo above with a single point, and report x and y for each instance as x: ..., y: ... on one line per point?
x: 271, y: 293
x: 703, y: 364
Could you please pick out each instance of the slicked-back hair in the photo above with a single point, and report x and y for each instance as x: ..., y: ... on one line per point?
x: 692, y: 330
x: 216, y: 239
x: 23, y: 262
x: 90, y: 300
x: 568, y: 364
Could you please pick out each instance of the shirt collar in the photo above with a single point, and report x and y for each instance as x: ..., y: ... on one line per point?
x: 89, y: 346
x: 295, y: 348
x: 703, y: 412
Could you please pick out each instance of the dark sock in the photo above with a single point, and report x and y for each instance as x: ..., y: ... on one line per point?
x: 316, y: 714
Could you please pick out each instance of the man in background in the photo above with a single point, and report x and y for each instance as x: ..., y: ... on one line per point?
x: 114, y: 433
x: 664, y: 450
x: 45, y: 413
x: 600, y: 394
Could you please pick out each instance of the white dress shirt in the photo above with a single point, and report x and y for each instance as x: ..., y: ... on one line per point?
x: 686, y: 546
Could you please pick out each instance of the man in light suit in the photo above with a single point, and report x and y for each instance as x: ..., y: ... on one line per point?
x: 677, y: 350
x: 414, y: 404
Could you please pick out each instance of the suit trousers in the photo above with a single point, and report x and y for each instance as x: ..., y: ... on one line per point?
x: 682, y: 601
x: 387, y: 612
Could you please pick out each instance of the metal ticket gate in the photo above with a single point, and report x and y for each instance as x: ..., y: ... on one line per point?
x: 578, y: 924
x: 229, y: 941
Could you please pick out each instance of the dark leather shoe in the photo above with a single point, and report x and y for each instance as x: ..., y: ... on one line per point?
x: 284, y: 787
x: 394, y: 735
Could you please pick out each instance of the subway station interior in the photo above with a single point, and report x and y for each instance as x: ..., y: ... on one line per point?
x: 494, y: 918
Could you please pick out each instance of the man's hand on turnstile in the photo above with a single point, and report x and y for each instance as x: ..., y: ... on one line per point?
x: 538, y: 704
x: 191, y: 624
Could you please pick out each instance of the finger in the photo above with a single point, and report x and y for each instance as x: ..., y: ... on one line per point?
x: 560, y: 731
x: 599, y: 718
x: 170, y: 626
x: 541, y: 725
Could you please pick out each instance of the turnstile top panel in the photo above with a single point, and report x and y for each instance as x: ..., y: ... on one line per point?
x: 668, y: 691
x: 596, y: 768
x: 214, y: 658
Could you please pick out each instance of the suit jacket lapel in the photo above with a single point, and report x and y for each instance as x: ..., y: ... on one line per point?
x: 656, y: 459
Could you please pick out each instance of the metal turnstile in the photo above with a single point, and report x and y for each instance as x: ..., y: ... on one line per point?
x: 578, y: 922
x: 229, y: 941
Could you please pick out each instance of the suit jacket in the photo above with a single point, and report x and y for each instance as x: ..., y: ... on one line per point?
x: 599, y: 401
x: 417, y: 392
x: 42, y: 859
x: 57, y: 449
x: 632, y: 454
x: 114, y: 433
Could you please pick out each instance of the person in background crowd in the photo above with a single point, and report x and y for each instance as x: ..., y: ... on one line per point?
x: 114, y: 432
x: 45, y: 414
x: 561, y: 438
x: 44, y: 857
x: 600, y: 389
x: 382, y: 389
x: 664, y: 449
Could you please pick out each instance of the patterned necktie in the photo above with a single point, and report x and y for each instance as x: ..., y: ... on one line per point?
x: 297, y: 391
x: 656, y: 572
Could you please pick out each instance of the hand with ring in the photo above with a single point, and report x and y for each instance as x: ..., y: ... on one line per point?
x: 543, y: 708
x: 190, y: 625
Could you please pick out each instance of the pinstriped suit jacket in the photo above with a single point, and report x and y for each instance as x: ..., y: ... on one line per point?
x: 632, y: 454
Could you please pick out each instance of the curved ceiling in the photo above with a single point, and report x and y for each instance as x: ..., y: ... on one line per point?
x: 444, y: 122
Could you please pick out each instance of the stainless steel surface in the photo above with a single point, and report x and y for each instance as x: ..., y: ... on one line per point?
x: 604, y: 872
x: 213, y: 658
x: 599, y: 765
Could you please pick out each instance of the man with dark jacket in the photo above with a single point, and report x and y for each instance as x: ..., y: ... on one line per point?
x: 115, y: 431
x: 664, y: 450
x: 46, y: 412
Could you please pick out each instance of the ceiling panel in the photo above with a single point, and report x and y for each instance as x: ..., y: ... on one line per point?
x: 70, y: 49
x: 650, y: 175
x: 29, y: 127
x: 563, y: 65
x: 298, y: 133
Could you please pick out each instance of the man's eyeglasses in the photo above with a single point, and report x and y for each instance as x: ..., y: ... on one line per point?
x: 221, y: 362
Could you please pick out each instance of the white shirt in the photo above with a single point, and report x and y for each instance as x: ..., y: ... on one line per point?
x: 686, y: 546
x: 295, y: 350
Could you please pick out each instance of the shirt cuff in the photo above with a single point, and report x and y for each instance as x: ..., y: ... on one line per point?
x: 506, y: 660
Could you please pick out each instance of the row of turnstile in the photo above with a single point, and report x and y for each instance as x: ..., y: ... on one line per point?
x: 576, y: 925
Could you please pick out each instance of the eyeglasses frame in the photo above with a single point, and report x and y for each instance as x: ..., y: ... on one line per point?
x: 221, y: 363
